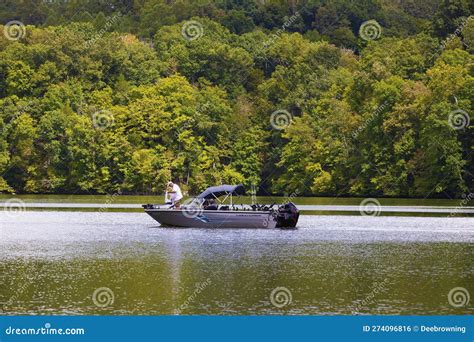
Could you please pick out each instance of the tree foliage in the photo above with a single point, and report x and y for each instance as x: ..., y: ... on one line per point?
x: 118, y: 96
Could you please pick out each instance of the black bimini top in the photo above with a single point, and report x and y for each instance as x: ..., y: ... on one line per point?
x: 221, y: 190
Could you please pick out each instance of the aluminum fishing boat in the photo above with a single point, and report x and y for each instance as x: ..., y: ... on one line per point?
x: 207, y: 210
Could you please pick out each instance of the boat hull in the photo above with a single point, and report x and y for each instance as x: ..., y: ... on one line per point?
x: 213, y: 218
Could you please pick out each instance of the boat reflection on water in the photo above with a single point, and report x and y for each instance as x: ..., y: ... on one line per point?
x: 207, y: 210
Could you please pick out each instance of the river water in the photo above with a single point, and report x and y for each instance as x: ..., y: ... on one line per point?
x: 124, y: 263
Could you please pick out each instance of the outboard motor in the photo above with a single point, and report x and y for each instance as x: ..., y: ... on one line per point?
x: 287, y: 216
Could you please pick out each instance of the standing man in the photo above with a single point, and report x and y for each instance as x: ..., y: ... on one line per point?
x: 175, y: 192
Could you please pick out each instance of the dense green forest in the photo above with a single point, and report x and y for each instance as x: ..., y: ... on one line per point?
x: 343, y: 97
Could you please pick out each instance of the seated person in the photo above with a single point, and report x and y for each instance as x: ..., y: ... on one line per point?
x: 212, y: 205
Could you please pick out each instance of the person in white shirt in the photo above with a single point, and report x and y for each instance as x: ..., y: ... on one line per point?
x: 176, y: 195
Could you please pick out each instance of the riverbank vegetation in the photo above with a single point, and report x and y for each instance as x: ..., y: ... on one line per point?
x: 365, y: 98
